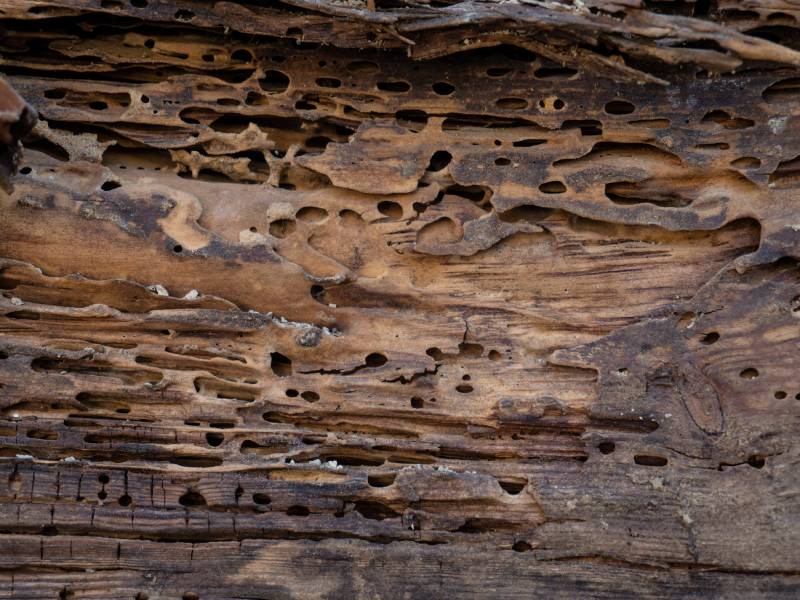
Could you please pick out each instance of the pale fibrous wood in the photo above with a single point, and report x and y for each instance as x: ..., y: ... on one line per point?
x: 392, y: 299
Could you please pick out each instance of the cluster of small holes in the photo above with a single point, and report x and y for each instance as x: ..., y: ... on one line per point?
x: 439, y: 161
x: 552, y: 103
x: 308, y: 395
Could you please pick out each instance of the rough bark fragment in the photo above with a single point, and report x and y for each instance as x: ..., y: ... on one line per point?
x: 319, y: 299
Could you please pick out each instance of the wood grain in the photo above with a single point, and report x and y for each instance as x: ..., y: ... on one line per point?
x: 316, y: 299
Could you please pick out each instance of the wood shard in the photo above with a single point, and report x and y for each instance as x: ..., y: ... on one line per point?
x: 372, y: 299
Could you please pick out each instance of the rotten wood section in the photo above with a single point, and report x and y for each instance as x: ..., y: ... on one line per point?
x: 17, y: 118
x: 456, y: 299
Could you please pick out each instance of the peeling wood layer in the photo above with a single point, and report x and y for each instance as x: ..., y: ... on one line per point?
x: 315, y: 299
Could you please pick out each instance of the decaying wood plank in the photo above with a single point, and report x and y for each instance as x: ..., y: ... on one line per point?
x: 17, y: 118
x: 317, y: 299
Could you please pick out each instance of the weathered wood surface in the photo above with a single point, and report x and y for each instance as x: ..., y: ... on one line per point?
x: 477, y: 299
x: 17, y: 118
